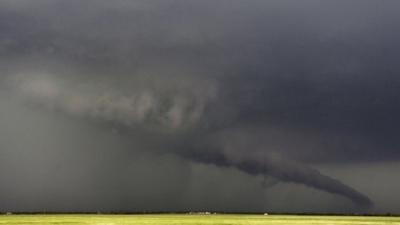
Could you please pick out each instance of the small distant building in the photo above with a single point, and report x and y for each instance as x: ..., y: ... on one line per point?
x: 200, y: 213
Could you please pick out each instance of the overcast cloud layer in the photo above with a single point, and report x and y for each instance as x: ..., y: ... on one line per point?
x: 199, y: 105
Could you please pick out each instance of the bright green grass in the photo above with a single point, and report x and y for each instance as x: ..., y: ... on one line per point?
x: 191, y: 219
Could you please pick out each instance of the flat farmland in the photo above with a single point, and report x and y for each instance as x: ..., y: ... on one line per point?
x: 182, y: 219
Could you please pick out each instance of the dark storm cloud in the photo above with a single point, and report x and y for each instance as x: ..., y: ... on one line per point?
x: 310, y: 82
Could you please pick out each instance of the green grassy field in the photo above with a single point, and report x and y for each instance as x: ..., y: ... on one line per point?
x: 190, y: 219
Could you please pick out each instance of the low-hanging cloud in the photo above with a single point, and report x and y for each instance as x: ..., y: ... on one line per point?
x: 176, y: 107
x: 167, y: 111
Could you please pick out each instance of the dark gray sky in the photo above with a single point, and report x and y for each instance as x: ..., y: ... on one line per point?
x: 177, y: 105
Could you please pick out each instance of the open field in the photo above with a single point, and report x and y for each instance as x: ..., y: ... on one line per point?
x: 191, y: 219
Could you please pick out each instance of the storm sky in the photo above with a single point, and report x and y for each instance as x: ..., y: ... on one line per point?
x: 189, y: 105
